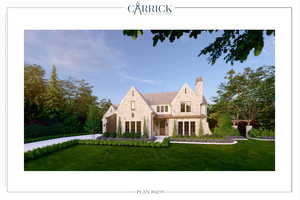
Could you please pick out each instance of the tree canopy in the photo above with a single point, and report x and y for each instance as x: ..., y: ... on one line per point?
x: 249, y: 95
x: 62, y: 106
x: 233, y: 45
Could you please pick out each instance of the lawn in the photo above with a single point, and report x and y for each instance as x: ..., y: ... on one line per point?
x: 248, y: 155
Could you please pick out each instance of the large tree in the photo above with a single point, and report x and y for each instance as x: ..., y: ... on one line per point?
x: 249, y: 95
x: 34, y: 92
x: 232, y: 45
x: 54, y: 102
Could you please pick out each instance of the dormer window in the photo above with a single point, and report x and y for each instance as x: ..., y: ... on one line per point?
x: 162, y: 109
x: 185, y: 90
x: 157, y: 108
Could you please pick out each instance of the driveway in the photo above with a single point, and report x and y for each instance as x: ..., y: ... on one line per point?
x: 34, y: 145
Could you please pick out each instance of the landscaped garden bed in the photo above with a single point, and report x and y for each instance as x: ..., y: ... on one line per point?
x: 249, y: 155
x: 208, y: 139
x: 36, y: 153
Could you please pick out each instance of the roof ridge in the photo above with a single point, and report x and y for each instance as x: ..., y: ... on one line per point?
x: 160, y: 92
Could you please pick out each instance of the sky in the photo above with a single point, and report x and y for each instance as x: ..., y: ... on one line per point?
x: 113, y: 63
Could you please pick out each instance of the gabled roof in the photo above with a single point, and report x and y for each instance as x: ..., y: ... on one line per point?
x: 159, y: 98
x: 162, y: 98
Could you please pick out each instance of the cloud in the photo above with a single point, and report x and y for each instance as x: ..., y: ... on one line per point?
x: 78, y: 50
x: 132, y: 78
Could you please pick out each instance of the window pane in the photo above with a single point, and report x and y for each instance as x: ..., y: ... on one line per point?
x: 126, y: 127
x: 180, y: 128
x: 132, y: 127
x: 166, y: 108
x: 193, y: 129
x: 186, y: 128
x: 138, y: 127
x: 182, y: 107
x: 188, y: 108
x: 157, y: 109
x: 162, y: 109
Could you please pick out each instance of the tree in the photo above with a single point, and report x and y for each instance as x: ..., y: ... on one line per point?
x: 224, y: 127
x: 174, y: 133
x: 54, y: 97
x: 92, y: 121
x: 248, y: 95
x: 119, y: 129
x: 232, y: 45
x: 145, y: 129
x: 200, y: 130
x: 83, y: 98
x: 34, y: 92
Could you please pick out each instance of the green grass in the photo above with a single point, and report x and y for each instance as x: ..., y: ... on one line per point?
x: 248, y: 155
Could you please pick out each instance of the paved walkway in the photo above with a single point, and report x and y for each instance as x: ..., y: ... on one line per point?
x: 34, y: 145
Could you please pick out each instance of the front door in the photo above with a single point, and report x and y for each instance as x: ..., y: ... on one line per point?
x: 162, y: 127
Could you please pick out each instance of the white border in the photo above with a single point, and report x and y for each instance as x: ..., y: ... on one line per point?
x: 20, y: 19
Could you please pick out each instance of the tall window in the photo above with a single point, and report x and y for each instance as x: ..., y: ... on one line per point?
x: 138, y: 127
x: 166, y: 108
x: 132, y: 93
x: 127, y: 127
x: 182, y: 107
x: 132, y: 127
x: 186, y: 128
x: 157, y: 108
x: 180, y: 128
x: 162, y: 109
x: 193, y: 128
x: 132, y: 105
x: 188, y: 106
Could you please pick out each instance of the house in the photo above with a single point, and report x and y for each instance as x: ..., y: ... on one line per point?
x: 163, y: 114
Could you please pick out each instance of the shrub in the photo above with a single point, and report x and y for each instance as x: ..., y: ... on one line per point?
x: 174, y: 132
x: 72, y: 124
x: 224, y: 126
x: 36, y: 153
x: 165, y: 143
x: 200, y: 130
x: 145, y: 129
x: 119, y: 129
x: 261, y: 133
x: 92, y: 122
x: 37, y: 130
x: 131, y: 135
x: 109, y: 135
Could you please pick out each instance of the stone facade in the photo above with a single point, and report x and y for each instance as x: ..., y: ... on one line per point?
x: 185, y: 108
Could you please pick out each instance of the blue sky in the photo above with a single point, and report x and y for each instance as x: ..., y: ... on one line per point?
x: 112, y: 63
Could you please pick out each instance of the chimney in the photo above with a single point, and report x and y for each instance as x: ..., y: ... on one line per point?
x: 199, y: 87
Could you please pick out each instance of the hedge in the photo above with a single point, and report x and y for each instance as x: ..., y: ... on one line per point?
x: 36, y: 153
x: 261, y: 133
x: 138, y: 143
